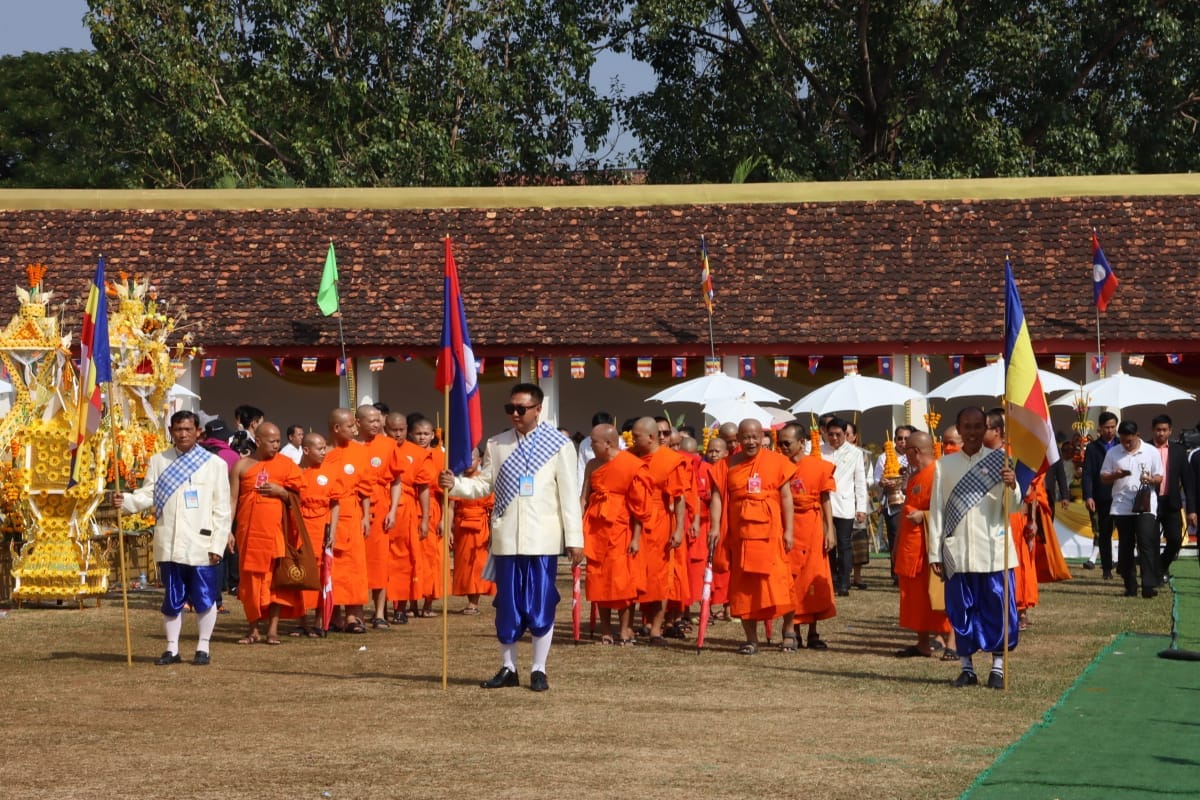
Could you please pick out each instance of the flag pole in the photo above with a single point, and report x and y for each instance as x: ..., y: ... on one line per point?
x: 112, y: 429
x: 712, y: 343
x: 446, y: 547
x: 1004, y: 494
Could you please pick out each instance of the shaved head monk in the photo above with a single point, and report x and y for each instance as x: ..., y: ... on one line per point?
x: 951, y: 440
x: 911, y: 557
x: 348, y: 459
x: 317, y: 509
x: 662, y: 556
x: 261, y: 486
x: 751, y: 488
x: 729, y: 433
x: 383, y: 477
x: 405, y: 559
x: 616, y: 496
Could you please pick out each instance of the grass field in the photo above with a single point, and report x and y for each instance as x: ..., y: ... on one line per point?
x: 366, y: 717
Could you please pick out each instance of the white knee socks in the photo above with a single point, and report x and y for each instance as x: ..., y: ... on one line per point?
x: 173, y: 626
x: 206, y: 621
x: 541, y: 651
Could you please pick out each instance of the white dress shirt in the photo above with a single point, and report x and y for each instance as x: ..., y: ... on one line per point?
x: 1144, y: 459
x: 850, y: 476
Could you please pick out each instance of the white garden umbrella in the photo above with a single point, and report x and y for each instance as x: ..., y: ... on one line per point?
x: 741, y: 408
x: 989, y: 382
x: 180, y: 391
x: 1122, y: 391
x: 854, y: 392
x: 717, y: 386
x: 5, y: 387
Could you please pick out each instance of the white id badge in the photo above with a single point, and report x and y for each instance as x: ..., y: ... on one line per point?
x: 191, y: 499
x: 754, y: 484
x: 526, y: 486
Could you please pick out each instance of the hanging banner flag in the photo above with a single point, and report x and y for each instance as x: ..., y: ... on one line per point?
x: 924, y: 362
x: 1174, y: 359
x: 176, y: 366
x: 885, y: 366
x: 706, y: 286
x: 545, y: 368
x: 849, y: 365
x: 512, y: 367
x: 277, y: 363
x: 644, y: 366
x: 712, y: 365
x: 578, y: 365
x: 956, y: 364
x: 1098, y: 364
x: 244, y: 368
x: 813, y: 363
x: 612, y: 367
x: 375, y: 364
x: 479, y: 366
x: 678, y: 367
x: 1137, y: 359
x: 781, y: 366
x: 308, y: 364
x: 1062, y: 362
x: 340, y: 367
x: 748, y: 368
x: 992, y: 359
x: 208, y: 368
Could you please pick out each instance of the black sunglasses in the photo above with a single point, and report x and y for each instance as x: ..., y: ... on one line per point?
x: 509, y: 408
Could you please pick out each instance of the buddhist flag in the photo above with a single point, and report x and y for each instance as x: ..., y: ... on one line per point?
x: 706, y: 286
x: 208, y: 368
x: 457, y: 375
x: 849, y: 365
x: 712, y: 365
x: 1104, y: 281
x: 991, y: 359
x: 95, y: 369
x: 612, y: 367
x: 578, y: 367
x: 327, y: 294
x: 1062, y: 361
x: 376, y: 364
x: 885, y: 366
x: 308, y: 364
x: 781, y: 366
x: 645, y: 366
x: 1030, y: 434
x: 1137, y: 359
x: 512, y: 367
x: 244, y: 368
x: 678, y: 367
x: 545, y: 368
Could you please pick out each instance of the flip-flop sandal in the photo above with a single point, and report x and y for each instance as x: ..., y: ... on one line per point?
x: 355, y: 627
x: 272, y: 641
x: 470, y: 611
x: 315, y: 633
x: 748, y: 649
x: 949, y: 654
x: 784, y: 647
x: 299, y: 632
x: 606, y: 639
x: 249, y: 640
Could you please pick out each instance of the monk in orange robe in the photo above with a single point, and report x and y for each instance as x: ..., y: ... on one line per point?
x: 808, y: 561
x: 405, y: 567
x: 383, y: 480
x: 616, y: 501
x: 1023, y: 528
x: 699, y: 523
x: 261, y: 486
x: 717, y: 450
x: 1048, y: 560
x: 430, y: 584
x: 470, y: 540
x: 911, y: 557
x: 348, y: 460
x: 316, y: 508
x: 661, y: 558
x: 752, y: 489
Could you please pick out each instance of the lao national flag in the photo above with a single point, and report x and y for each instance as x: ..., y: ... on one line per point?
x: 456, y: 374
x: 678, y: 367
x: 95, y: 368
x: 1030, y: 434
x: 1104, y: 282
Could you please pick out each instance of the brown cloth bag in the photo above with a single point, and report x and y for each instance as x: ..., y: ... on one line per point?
x: 298, y: 568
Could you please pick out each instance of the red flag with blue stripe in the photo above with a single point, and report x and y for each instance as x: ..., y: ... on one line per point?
x: 1104, y: 281
x: 457, y: 373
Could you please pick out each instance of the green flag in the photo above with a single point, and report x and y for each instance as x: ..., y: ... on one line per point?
x: 327, y: 295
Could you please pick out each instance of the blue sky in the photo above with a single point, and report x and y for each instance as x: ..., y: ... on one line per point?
x: 43, y: 25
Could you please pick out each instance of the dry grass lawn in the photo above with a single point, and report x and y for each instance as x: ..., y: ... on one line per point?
x: 366, y: 717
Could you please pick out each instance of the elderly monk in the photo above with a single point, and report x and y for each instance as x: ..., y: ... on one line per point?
x: 405, y: 565
x: 383, y: 478
x: 318, y: 509
x: 348, y: 460
x: 812, y: 581
x: 429, y: 502
x: 661, y: 558
x: 470, y: 539
x: 616, y: 501
x: 911, y: 563
x: 260, y: 488
x: 751, y: 488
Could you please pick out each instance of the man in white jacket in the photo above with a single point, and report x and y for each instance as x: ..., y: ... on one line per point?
x: 969, y: 546
x: 189, y: 490
x: 531, y: 469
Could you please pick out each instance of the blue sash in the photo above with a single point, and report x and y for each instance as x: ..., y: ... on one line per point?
x: 531, y: 455
x: 971, y: 488
x: 176, y: 474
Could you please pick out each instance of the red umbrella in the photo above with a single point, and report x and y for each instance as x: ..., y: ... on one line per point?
x: 705, y: 603
x: 325, y: 598
x: 576, y: 572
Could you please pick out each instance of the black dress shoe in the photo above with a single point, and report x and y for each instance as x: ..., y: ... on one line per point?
x: 860, y: 586
x: 1148, y: 593
x: 965, y: 678
x: 168, y: 658
x: 1089, y: 565
x: 995, y: 681
x: 201, y: 658
x: 1108, y: 574
x: 537, y: 681
x: 843, y: 592
x: 502, y: 679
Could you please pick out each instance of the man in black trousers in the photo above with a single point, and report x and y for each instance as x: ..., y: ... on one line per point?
x: 1097, y: 495
x: 1176, y: 483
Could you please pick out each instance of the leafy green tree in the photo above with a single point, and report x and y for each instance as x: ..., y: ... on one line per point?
x: 349, y: 92
x: 827, y: 90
